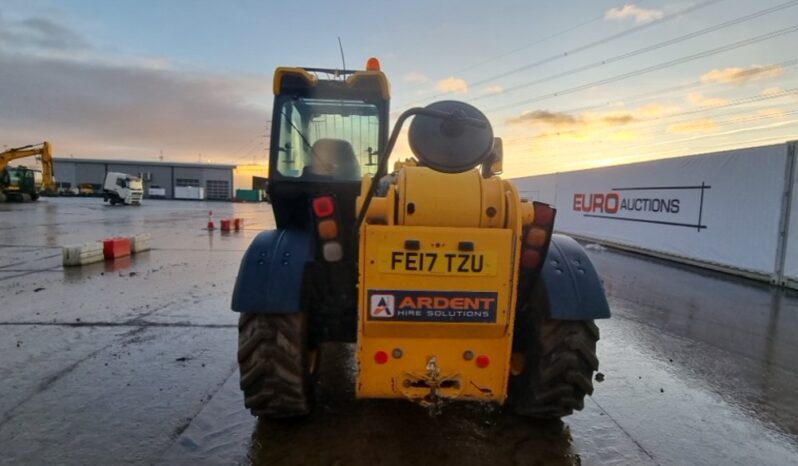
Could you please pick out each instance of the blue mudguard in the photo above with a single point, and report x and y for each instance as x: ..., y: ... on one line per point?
x: 573, y: 287
x: 270, y: 278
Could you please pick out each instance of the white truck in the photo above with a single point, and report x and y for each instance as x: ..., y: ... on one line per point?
x: 121, y: 188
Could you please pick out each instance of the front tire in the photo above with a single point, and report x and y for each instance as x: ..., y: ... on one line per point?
x: 274, y: 363
x: 559, y: 358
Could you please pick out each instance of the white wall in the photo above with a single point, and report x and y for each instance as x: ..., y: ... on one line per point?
x: 791, y: 256
x: 722, y: 209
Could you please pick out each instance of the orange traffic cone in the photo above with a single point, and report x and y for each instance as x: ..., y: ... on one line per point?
x: 210, y: 220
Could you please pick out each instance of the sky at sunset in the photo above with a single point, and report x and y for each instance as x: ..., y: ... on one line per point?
x: 569, y: 84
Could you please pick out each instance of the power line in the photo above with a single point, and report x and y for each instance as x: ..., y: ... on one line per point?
x: 590, y: 45
x: 707, y: 136
x: 243, y: 148
x: 652, y: 155
x: 657, y: 67
x: 649, y: 95
x: 651, y: 48
x: 733, y: 103
x: 601, y: 41
x: 526, y: 46
x: 729, y: 122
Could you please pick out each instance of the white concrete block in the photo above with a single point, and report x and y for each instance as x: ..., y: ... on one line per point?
x: 82, y: 254
x: 140, y: 243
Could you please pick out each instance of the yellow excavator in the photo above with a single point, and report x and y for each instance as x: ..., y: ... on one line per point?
x: 24, y: 184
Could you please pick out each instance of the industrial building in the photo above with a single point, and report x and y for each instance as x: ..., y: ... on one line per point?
x: 215, y: 179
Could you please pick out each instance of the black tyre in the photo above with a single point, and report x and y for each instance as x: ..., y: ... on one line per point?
x: 275, y: 364
x: 558, y: 361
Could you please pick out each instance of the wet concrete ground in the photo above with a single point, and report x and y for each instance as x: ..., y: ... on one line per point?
x: 134, y: 362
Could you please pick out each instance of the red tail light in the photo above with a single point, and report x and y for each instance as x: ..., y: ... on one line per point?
x: 323, y: 206
x: 544, y: 214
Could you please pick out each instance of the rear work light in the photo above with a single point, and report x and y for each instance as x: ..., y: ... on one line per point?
x: 332, y: 251
x: 323, y: 206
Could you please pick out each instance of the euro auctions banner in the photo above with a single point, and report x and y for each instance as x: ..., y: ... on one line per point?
x: 720, y: 208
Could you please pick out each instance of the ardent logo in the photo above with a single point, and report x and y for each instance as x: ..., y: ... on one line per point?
x: 382, y: 306
x: 433, y: 306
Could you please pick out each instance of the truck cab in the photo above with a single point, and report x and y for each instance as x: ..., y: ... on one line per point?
x: 121, y: 188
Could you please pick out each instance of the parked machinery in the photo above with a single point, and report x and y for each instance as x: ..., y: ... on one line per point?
x: 121, y: 188
x: 25, y: 184
x: 452, y: 286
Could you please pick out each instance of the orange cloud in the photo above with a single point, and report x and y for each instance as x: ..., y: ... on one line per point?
x: 703, y: 125
x: 415, y: 78
x: 622, y: 136
x: 452, y: 84
x: 741, y: 76
x: 495, y: 89
x: 631, y: 11
x: 698, y: 99
x: 545, y: 117
x: 772, y: 113
x: 773, y: 90
x: 577, y: 122
x: 655, y: 110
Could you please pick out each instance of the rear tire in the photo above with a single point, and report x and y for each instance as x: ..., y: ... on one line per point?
x: 274, y: 363
x: 559, y: 361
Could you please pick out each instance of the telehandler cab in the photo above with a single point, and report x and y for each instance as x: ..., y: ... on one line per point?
x: 452, y: 286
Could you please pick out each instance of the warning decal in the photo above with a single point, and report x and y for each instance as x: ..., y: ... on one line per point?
x: 432, y: 306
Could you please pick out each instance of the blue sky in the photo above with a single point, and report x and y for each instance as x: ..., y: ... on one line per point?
x: 192, y: 78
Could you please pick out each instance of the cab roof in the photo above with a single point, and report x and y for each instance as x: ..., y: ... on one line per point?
x: 288, y: 78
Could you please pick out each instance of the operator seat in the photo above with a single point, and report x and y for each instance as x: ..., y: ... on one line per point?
x: 334, y: 158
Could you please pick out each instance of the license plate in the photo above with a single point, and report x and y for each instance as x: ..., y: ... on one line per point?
x: 477, y: 263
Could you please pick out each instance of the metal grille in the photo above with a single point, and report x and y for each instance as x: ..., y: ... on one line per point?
x: 184, y: 182
x: 216, y: 189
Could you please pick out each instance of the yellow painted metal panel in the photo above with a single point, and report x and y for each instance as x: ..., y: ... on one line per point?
x: 431, y: 198
x: 433, y: 299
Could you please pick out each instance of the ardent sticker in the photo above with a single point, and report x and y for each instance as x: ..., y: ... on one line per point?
x: 432, y: 306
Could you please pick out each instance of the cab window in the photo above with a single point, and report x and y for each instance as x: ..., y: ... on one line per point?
x: 327, y: 139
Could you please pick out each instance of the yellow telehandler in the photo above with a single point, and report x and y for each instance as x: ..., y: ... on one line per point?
x: 450, y: 284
